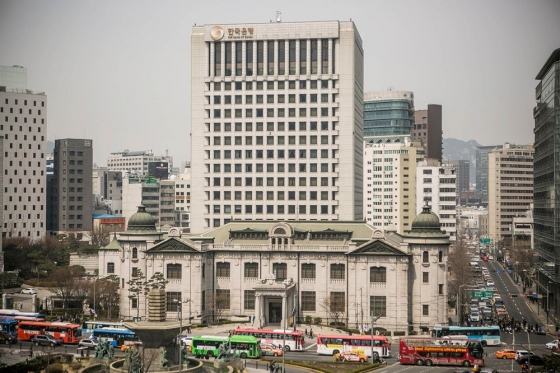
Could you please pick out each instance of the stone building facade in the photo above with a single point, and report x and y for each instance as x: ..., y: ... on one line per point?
x: 340, y: 272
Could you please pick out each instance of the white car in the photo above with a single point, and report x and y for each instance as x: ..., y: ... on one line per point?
x: 28, y: 291
x: 552, y: 345
x: 490, y: 283
x: 475, y: 316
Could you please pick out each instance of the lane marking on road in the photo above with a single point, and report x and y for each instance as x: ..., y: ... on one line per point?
x: 313, y: 345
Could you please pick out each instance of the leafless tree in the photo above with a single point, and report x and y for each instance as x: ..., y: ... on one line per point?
x: 335, y: 307
x: 99, y: 237
x: 67, y: 284
x: 219, y: 305
x: 106, y: 291
x: 461, y: 272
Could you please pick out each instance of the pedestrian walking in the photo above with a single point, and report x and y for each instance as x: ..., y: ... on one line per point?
x: 276, y: 367
x: 271, y: 366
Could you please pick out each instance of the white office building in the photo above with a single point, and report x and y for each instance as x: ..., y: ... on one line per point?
x: 136, y: 162
x: 23, y: 124
x: 276, y: 122
x: 436, y: 186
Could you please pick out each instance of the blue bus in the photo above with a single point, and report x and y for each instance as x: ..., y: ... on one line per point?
x: 487, y: 335
x: 89, y: 326
x: 117, y: 337
x: 8, y: 324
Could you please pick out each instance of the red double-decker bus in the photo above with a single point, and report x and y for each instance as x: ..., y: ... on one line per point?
x: 435, y: 351
x: 69, y: 333
x: 294, y: 339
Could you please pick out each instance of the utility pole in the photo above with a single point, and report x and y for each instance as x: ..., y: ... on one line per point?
x: 373, y: 320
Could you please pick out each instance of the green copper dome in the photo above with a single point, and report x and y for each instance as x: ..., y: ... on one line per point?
x: 141, y: 221
x: 427, y: 220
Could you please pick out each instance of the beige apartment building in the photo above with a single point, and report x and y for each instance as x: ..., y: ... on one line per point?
x: 510, y: 187
x: 390, y: 182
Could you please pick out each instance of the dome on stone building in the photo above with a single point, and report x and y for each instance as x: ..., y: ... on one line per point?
x: 141, y: 221
x: 426, y: 220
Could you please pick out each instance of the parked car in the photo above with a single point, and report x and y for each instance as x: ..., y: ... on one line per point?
x: 269, y: 349
x: 7, y: 338
x: 352, y: 356
x: 506, y: 353
x: 552, y: 345
x: 46, y: 340
x: 29, y: 291
x: 89, y: 343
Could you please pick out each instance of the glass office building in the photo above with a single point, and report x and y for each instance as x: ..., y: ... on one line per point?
x: 547, y: 183
x: 388, y: 113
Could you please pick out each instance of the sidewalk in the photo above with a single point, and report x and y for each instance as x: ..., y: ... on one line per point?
x: 549, y: 325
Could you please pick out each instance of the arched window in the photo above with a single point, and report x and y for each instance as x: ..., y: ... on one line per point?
x: 377, y: 274
x: 279, y: 231
x: 134, y: 253
x: 174, y: 271
x: 425, y: 257
x: 440, y: 256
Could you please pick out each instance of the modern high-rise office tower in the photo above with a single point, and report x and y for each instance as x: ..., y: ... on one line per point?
x: 482, y: 171
x: 510, y: 188
x: 390, y: 182
x: 388, y: 114
x: 463, y: 174
x: 546, y: 187
x: 277, y: 128
x: 70, y: 202
x: 428, y: 130
x: 23, y: 124
x: 436, y: 186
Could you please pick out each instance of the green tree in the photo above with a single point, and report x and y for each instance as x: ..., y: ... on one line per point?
x: 157, y: 281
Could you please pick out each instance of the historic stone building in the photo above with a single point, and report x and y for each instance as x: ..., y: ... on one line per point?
x: 341, y: 272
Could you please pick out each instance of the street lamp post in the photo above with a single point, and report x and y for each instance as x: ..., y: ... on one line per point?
x: 180, y: 317
x: 373, y: 320
x: 547, y: 304
x: 459, y: 302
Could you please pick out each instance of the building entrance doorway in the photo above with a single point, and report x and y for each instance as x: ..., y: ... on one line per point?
x: 275, y: 311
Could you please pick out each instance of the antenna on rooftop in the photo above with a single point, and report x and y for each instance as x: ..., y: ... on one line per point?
x: 278, y: 18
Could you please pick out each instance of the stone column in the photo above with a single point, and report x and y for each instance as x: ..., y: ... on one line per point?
x: 257, y: 319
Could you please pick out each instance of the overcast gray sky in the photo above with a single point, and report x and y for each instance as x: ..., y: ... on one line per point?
x: 118, y: 72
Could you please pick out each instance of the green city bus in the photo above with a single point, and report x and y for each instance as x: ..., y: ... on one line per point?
x: 207, y: 346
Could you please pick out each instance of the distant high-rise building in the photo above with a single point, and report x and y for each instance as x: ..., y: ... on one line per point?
x: 388, y: 114
x: 277, y: 126
x: 136, y: 163
x: 157, y: 196
x: 24, y: 127
x: 547, y: 187
x: 510, y: 173
x: 107, y: 191
x: 69, y: 209
x: 436, y: 186
x: 482, y: 171
x: 463, y: 174
x: 389, y: 182
x: 428, y: 130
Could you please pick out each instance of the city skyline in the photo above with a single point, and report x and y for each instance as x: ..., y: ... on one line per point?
x: 119, y: 73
